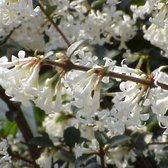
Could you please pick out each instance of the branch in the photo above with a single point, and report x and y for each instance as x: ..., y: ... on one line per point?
x: 22, y: 124
x: 101, y: 155
x: 70, y: 66
x: 54, y: 24
x: 7, y: 37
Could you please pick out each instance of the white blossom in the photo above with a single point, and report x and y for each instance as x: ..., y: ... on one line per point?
x: 21, y: 80
x: 5, y: 159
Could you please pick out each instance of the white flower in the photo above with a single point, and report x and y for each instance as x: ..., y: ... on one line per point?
x: 129, y: 103
x: 131, y: 57
x: 80, y: 150
x: 84, y: 56
x: 118, y: 156
x: 124, y: 69
x: 140, y: 11
x: 20, y: 81
x: 45, y: 159
x: 29, y: 34
x: 124, y: 29
x: 156, y: 33
x: 50, y: 95
x: 5, y: 158
x: 86, y: 91
x: 56, y: 123
x: 12, y: 13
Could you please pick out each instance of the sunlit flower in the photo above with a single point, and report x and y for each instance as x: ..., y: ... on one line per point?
x: 21, y: 79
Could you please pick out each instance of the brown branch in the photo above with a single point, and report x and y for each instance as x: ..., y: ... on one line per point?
x: 70, y: 66
x: 54, y: 24
x: 101, y: 155
x: 7, y: 37
x: 22, y: 124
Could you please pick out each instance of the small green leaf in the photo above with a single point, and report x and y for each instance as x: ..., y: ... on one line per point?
x: 165, y: 148
x: 9, y: 128
x: 42, y: 141
x: 101, y: 138
x: 155, y: 129
x: 71, y: 136
x: 93, y: 165
x: 138, y: 2
x: 119, y: 139
x: 98, y: 4
x: 39, y: 115
x: 139, y: 141
x: 63, y: 117
x: 50, y: 9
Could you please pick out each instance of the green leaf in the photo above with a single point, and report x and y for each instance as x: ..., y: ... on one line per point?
x: 42, y: 141
x: 166, y: 148
x: 119, y: 139
x: 155, y: 129
x: 98, y: 4
x: 39, y: 115
x: 9, y: 128
x: 138, y: 2
x: 139, y: 141
x: 163, y: 162
x: 65, y: 156
x: 93, y: 165
x: 63, y: 117
x: 71, y: 136
x: 50, y: 9
x: 101, y: 138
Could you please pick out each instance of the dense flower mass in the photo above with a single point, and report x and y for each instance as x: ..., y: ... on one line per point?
x: 92, y: 76
x: 82, y: 90
x: 156, y: 33
x: 21, y: 75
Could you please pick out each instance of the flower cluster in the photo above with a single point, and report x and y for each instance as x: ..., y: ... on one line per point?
x: 65, y: 90
x: 83, y: 23
x: 92, y: 108
x: 156, y: 32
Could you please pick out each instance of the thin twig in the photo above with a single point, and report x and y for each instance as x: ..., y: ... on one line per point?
x: 7, y: 37
x: 54, y: 24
